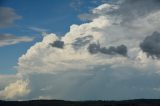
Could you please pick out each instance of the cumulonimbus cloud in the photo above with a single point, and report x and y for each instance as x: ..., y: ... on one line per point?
x: 116, y: 68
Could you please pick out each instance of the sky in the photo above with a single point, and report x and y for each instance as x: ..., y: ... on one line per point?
x: 79, y: 49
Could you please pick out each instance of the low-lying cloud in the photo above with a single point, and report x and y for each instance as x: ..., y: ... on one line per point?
x: 14, y: 90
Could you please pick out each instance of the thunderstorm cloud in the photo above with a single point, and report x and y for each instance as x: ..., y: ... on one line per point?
x: 106, y: 58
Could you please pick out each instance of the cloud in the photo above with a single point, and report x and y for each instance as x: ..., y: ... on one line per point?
x: 86, y: 16
x: 58, y: 44
x: 15, y: 90
x: 9, y: 39
x: 79, y: 5
x: 94, y: 48
x: 100, y: 82
x: 80, y: 75
x: 76, y: 4
x: 105, y: 8
x: 126, y: 10
x: 71, y: 53
x: 74, y: 73
x: 121, y: 50
x: 82, y: 41
x: 6, y: 79
x: 130, y: 10
x: 100, y: 10
x: 151, y: 45
x: 7, y: 17
x: 44, y: 98
x: 38, y: 29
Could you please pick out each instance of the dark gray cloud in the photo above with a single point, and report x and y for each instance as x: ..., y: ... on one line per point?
x: 95, y: 48
x: 121, y: 50
x: 9, y: 39
x: 151, y: 45
x: 7, y: 17
x: 132, y: 9
x: 81, y: 41
x: 57, y: 44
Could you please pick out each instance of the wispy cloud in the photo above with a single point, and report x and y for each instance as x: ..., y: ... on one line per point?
x: 76, y: 4
x: 9, y: 39
x: 79, y: 4
x: 7, y: 17
x: 37, y: 29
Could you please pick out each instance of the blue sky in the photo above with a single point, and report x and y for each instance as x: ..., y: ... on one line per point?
x: 47, y: 15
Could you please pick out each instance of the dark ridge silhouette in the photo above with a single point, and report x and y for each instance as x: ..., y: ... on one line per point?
x: 136, y: 102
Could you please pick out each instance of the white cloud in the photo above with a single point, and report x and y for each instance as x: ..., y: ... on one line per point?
x: 101, y: 10
x: 15, y: 90
x: 6, y: 79
x: 104, y: 8
x: 37, y: 29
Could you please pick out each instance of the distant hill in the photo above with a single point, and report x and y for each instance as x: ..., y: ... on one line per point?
x: 137, y: 102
